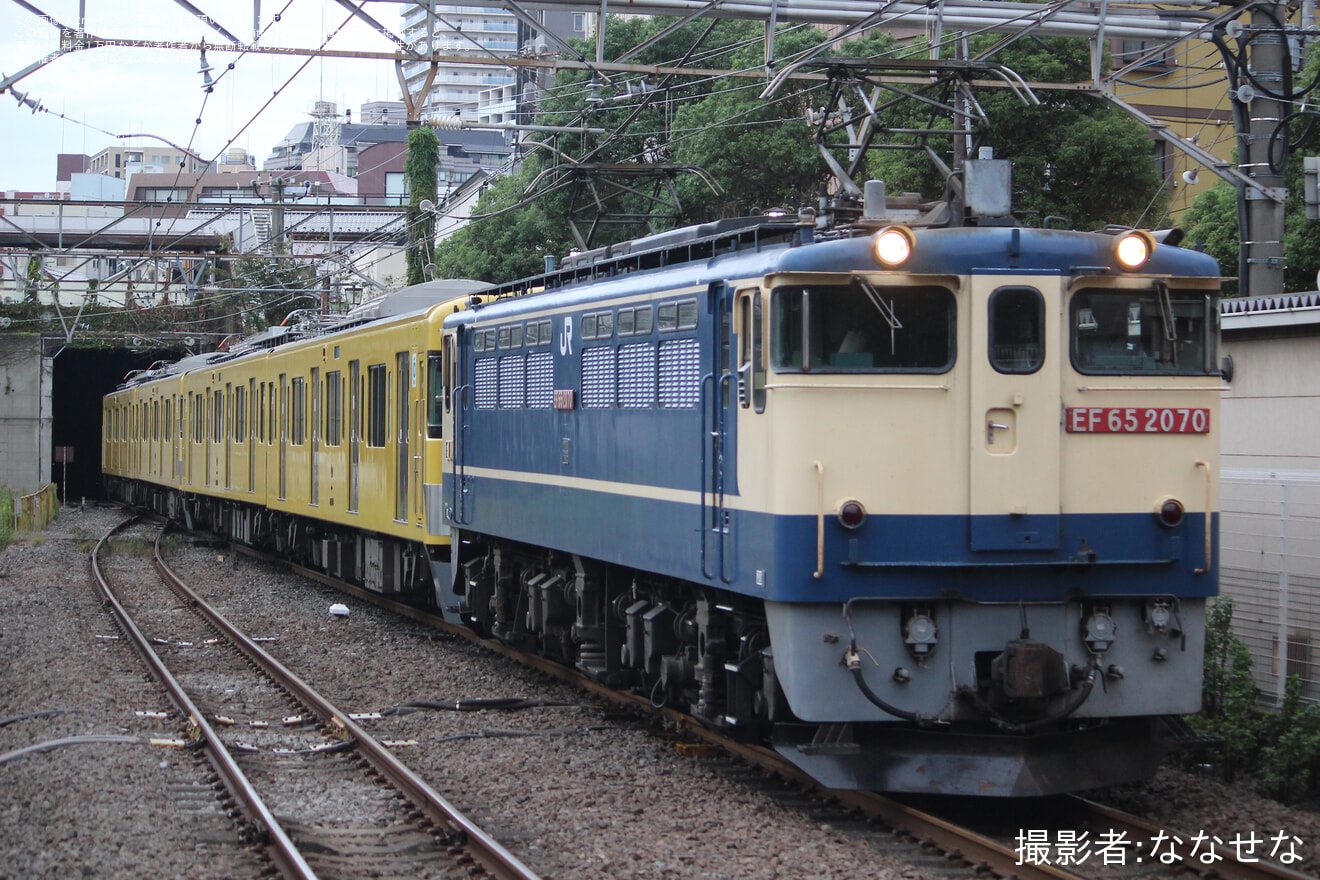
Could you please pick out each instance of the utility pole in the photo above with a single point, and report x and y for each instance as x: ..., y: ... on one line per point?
x: 1262, y: 239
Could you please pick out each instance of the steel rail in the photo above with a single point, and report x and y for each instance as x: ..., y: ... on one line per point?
x: 489, y: 853
x: 281, y: 848
x: 947, y: 836
x: 1228, y: 868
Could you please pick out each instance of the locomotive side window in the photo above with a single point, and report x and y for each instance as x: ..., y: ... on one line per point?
x: 1017, y: 330
x: 1136, y: 332
x: 857, y: 328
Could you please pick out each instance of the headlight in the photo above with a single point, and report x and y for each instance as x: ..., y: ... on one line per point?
x: 1134, y: 249
x: 893, y: 245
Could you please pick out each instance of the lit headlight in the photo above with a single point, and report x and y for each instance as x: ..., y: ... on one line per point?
x: 894, y: 245
x: 1134, y: 249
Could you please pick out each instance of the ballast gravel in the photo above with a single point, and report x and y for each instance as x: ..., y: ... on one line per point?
x: 574, y: 789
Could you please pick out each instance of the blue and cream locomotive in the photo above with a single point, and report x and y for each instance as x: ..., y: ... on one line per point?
x: 931, y: 508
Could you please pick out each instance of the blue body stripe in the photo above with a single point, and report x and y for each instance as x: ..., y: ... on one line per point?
x: 774, y: 557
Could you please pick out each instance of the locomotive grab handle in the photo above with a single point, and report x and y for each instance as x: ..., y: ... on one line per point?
x: 820, y: 521
x: 1208, y: 538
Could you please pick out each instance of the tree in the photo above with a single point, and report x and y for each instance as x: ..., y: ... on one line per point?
x: 1073, y: 156
x: 512, y: 243
x: 419, y: 173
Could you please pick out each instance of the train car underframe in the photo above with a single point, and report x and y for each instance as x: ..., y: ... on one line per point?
x: 381, y: 563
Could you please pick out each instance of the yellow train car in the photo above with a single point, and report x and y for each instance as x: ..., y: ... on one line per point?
x: 321, y: 444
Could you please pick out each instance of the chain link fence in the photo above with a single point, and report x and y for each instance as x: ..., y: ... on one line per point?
x: 1269, y: 563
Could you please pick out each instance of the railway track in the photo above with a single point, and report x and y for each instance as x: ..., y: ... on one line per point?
x: 1086, y: 840
x: 322, y: 796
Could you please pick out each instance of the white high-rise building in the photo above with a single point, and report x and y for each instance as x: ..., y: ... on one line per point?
x: 474, y: 31
x: 478, y: 32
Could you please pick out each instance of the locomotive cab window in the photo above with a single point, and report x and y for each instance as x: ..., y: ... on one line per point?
x: 1138, y: 332
x: 860, y: 328
x: 1017, y: 330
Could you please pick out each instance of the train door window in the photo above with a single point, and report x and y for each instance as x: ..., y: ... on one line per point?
x: 155, y: 420
x: 333, y: 408
x: 758, y: 354
x: 198, y: 423
x: 435, y: 393
x: 377, y: 401
x: 447, y: 379
x: 240, y: 414
x: 218, y: 416
x: 1017, y: 330
x: 298, y: 411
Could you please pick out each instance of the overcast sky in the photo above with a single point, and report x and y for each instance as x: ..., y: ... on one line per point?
x: 159, y: 91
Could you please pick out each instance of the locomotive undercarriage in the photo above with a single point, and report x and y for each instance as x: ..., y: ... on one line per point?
x: 701, y: 650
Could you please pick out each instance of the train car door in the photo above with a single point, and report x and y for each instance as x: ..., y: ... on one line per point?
x: 402, y: 459
x: 1014, y: 466
x: 717, y: 449
x: 354, y: 431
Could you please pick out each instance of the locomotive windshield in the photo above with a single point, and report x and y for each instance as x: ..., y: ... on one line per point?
x: 852, y: 328
x: 1155, y: 331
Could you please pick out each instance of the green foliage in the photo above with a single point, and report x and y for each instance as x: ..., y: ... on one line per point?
x: 513, y: 244
x: 33, y: 279
x: 1229, y: 693
x: 419, y: 173
x: 1290, y: 763
x: 1076, y: 156
x: 6, y: 517
x: 1212, y: 225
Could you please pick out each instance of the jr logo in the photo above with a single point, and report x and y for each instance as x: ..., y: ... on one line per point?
x: 566, y: 337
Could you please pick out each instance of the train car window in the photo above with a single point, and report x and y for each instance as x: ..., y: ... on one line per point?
x: 505, y: 338
x: 642, y: 321
x: 627, y: 321
x: 298, y: 411
x: 588, y: 326
x: 436, y: 390
x: 334, y: 405
x: 605, y: 325
x: 1138, y: 332
x: 532, y: 334
x: 1017, y: 330
x: 240, y: 414
x: 478, y: 342
x: 667, y: 317
x: 218, y: 417
x: 861, y: 329
x: 687, y: 314
x: 377, y: 390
